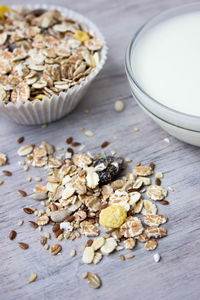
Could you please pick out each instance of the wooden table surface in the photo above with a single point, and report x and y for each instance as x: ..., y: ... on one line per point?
x: 177, y: 276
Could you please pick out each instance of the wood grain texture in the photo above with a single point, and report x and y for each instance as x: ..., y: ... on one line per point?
x: 177, y: 276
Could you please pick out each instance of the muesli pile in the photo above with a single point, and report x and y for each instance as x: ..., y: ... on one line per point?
x: 43, y: 53
x: 85, y: 196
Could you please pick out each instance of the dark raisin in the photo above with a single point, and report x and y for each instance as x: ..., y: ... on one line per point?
x: 113, y: 167
x: 11, y: 46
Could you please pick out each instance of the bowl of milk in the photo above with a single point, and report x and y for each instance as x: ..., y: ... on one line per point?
x: 163, y: 68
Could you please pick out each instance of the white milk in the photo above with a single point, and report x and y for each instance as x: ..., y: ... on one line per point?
x: 166, y: 63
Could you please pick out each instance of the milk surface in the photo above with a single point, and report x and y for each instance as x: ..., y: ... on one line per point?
x: 166, y: 63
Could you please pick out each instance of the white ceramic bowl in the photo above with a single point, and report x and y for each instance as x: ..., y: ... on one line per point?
x: 184, y: 127
x: 56, y: 107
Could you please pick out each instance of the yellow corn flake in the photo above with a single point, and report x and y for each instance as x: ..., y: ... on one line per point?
x: 81, y: 36
x: 40, y: 96
x: 113, y: 216
x: 3, y: 9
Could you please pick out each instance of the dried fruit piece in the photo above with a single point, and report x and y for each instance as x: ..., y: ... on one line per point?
x: 113, y: 216
x: 156, y: 192
x: 55, y: 249
x: 150, y: 245
x: 94, y: 280
x: 129, y: 243
x: 155, y: 232
x: 132, y: 227
x: 98, y: 243
x: 88, y: 255
x: 157, y: 220
x: 109, y: 246
x: 113, y: 168
x: 149, y: 208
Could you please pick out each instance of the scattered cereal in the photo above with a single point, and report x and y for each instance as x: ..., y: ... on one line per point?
x: 20, y: 140
x: 73, y: 253
x: 122, y: 257
x: 23, y: 246
x: 119, y: 106
x: 32, y: 278
x: 12, y: 235
x: 150, y: 245
x: 88, y: 255
x: 156, y: 257
x: 129, y: 255
x: 3, y: 159
x: 94, y: 280
x: 159, y: 175
x: 113, y: 216
x: 85, y: 275
x: 83, y: 191
x: 88, y: 133
x: 166, y: 140
x: 38, y: 179
x: 20, y: 223
x: 7, y: 173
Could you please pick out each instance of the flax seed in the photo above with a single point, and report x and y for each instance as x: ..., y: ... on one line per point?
x: 22, y: 193
x: 104, y: 144
x: 69, y: 140
x: 23, y: 246
x: 33, y: 224
x: 7, y: 173
x: 20, y: 140
x: 12, y: 235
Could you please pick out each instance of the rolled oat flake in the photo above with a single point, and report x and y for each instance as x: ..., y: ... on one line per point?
x: 94, y: 281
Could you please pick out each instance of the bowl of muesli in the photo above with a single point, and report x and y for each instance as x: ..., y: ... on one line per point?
x: 49, y: 56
